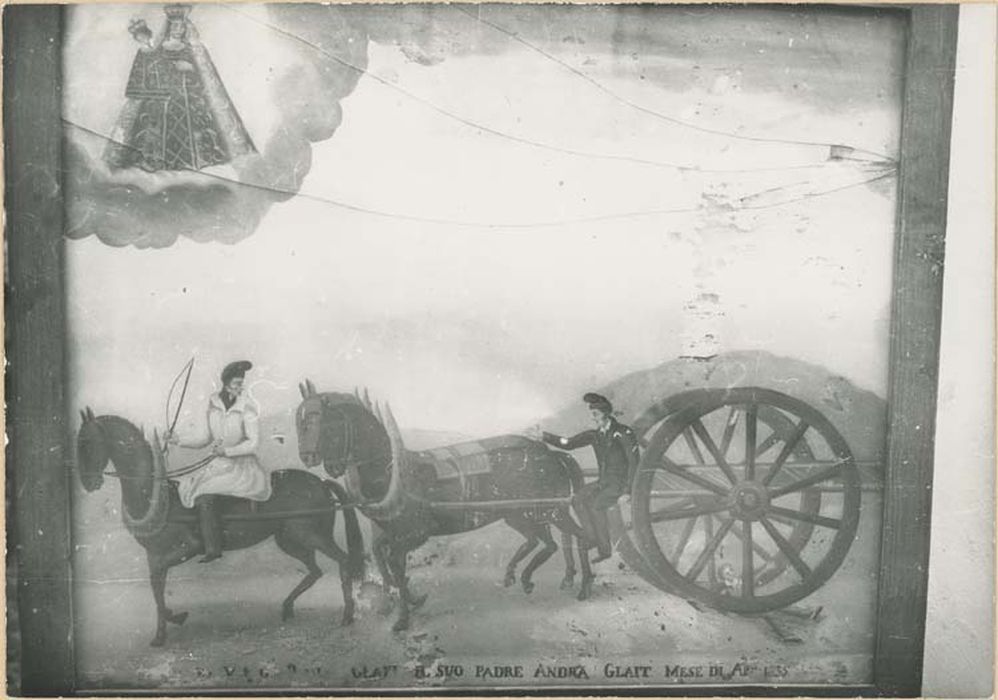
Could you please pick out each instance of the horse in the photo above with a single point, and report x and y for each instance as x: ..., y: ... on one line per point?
x: 395, y: 487
x: 300, y: 515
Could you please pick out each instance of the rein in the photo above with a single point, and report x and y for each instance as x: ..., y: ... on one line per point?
x: 182, y: 471
x: 278, y: 515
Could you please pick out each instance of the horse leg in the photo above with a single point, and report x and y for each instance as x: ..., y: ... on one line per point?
x: 392, y: 579
x: 582, y: 502
x: 567, y: 550
x: 544, y: 532
x: 305, y: 555
x: 397, y: 562
x: 415, y: 601
x: 315, y: 539
x: 380, y: 549
x: 159, y: 565
x: 567, y: 525
x: 586, y: 587
x: 526, y: 548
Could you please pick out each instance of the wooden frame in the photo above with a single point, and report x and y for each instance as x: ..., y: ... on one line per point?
x: 38, y: 480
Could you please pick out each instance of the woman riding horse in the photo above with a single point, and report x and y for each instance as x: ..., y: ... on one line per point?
x: 300, y: 515
x: 231, y: 428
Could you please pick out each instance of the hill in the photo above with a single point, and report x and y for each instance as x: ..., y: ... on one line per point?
x: 860, y: 415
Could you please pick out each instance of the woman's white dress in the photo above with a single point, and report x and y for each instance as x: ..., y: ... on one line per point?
x: 237, y: 473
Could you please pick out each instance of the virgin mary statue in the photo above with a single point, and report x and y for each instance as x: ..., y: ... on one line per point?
x: 177, y: 114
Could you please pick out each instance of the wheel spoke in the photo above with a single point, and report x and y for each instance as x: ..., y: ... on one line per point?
x: 751, y: 427
x: 680, y: 513
x: 756, y: 547
x: 748, y: 564
x: 708, y: 442
x: 712, y: 566
x: 708, y: 551
x: 788, y: 550
x: 674, y: 468
x: 788, y: 448
x: 683, y: 503
x: 833, y: 523
x: 774, y: 437
x: 828, y: 472
x: 729, y: 430
x: 694, y: 448
x: 684, y: 539
x: 776, y: 518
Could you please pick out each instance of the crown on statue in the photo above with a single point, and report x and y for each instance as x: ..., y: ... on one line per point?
x: 177, y: 11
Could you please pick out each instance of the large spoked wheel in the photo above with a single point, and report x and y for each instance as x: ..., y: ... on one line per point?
x: 746, y: 500
x: 780, y: 429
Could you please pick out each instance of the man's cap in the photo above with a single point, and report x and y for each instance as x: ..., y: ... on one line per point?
x: 598, y: 401
x: 235, y: 369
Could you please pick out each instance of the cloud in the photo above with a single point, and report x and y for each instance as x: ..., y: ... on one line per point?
x: 225, y: 203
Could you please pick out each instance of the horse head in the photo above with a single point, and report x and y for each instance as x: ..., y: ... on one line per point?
x: 339, y: 431
x: 326, y: 429
x: 114, y: 439
x: 92, y: 452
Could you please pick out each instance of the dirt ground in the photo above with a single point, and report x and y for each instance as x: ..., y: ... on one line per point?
x: 472, y: 631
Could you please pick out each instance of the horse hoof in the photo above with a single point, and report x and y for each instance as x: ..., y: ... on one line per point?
x: 158, y: 641
x: 509, y: 580
x: 179, y: 618
x: 347, y: 620
x: 287, y: 613
x: 416, y: 602
x: 586, y: 590
x: 400, y: 626
x: 528, y: 587
x: 568, y: 583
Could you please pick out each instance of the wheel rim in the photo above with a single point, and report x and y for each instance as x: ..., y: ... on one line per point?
x: 739, y: 519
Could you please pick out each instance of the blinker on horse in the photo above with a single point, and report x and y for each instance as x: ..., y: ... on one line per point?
x: 300, y: 514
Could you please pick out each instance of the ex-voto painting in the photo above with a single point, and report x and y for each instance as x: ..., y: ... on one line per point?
x: 462, y: 347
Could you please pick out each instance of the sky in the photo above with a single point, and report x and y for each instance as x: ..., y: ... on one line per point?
x: 499, y: 279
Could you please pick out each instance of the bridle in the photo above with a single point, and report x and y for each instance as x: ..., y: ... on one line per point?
x: 349, y: 435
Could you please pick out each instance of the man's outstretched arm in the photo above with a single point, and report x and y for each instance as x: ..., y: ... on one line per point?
x: 584, y: 438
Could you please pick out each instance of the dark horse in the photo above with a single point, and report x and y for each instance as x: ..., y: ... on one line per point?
x: 299, y: 516
x: 413, y: 496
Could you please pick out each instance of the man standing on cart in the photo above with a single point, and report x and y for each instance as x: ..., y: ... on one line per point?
x: 617, y: 455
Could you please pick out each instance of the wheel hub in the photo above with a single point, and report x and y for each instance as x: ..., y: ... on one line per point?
x: 749, y: 500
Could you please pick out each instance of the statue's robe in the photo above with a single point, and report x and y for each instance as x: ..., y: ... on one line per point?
x: 176, y: 119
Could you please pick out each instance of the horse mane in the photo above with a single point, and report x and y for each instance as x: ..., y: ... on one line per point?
x: 334, y: 398
x: 127, y: 436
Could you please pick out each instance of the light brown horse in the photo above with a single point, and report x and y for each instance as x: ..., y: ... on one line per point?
x: 300, y: 514
x: 396, y: 487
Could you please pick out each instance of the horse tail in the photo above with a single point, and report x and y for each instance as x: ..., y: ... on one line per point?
x: 355, y: 540
x: 577, y: 480
x: 573, y: 470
